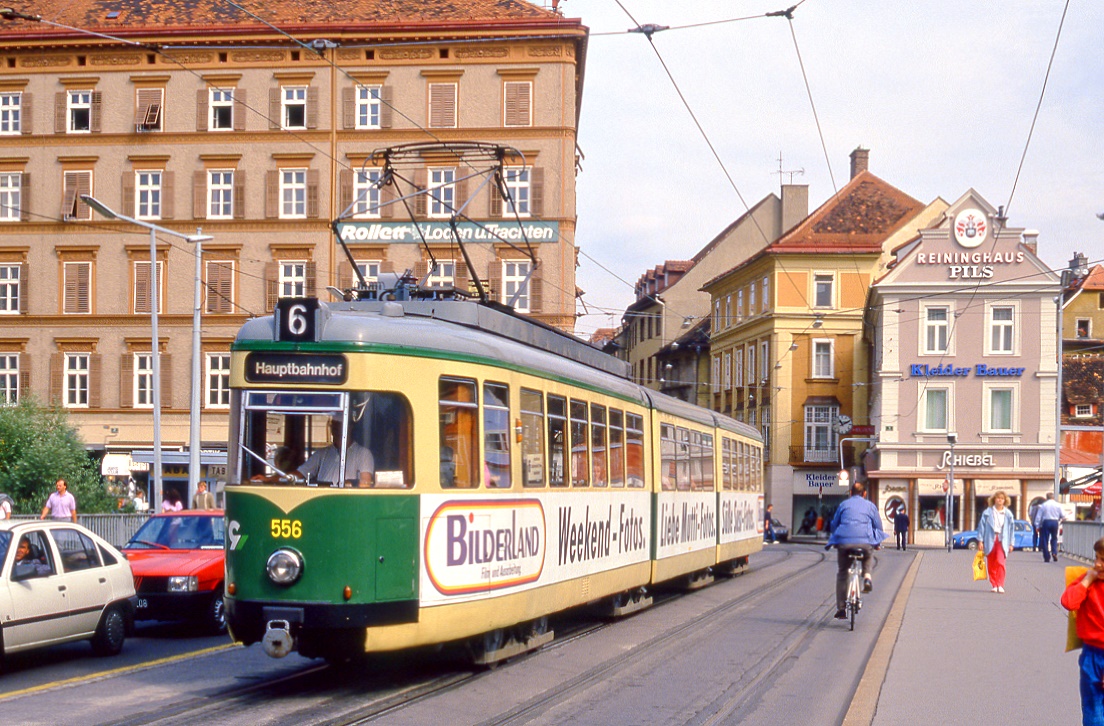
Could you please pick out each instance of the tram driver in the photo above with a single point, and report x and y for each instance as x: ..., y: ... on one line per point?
x: 323, y: 464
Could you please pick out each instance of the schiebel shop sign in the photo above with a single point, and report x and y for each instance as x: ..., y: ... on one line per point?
x: 981, y: 370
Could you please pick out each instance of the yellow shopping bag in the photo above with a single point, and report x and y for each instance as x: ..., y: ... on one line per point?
x: 980, y: 572
x: 1073, y: 574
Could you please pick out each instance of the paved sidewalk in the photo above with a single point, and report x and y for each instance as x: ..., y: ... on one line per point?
x: 966, y: 655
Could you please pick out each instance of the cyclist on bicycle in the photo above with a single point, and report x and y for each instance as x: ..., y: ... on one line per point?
x: 857, y: 527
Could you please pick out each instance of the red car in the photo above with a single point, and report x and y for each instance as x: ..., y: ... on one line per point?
x: 179, y: 565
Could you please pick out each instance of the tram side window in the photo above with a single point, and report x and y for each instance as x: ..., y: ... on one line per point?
x: 741, y: 466
x: 496, y: 435
x: 598, y: 450
x: 634, y: 449
x: 616, y: 448
x: 459, y: 409
x: 756, y: 469
x: 683, y: 468
x: 697, y: 476
x: 726, y: 464
x: 532, y: 438
x: 579, y: 463
x: 706, y: 463
x: 557, y: 440
x: 668, y: 458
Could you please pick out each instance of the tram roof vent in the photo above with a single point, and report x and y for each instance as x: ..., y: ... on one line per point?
x: 392, y: 310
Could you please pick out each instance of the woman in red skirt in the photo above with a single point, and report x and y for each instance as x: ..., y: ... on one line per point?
x: 995, y: 529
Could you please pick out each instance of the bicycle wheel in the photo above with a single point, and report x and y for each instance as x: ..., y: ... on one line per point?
x: 854, y: 608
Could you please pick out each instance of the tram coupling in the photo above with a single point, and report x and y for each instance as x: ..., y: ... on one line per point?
x: 278, y: 640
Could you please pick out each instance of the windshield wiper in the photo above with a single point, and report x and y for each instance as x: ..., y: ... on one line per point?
x: 263, y: 460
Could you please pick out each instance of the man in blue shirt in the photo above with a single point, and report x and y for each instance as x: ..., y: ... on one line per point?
x: 857, y: 527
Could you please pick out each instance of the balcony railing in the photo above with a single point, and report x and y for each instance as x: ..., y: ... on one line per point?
x: 813, y: 455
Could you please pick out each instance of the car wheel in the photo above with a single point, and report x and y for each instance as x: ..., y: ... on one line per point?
x: 111, y: 632
x: 215, y: 617
x: 972, y: 545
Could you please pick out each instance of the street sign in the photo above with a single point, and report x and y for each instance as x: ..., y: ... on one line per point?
x: 862, y: 430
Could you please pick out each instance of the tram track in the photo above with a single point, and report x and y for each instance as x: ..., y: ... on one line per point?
x: 399, y: 691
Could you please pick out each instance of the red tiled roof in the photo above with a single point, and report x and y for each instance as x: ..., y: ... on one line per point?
x: 137, y: 15
x: 858, y: 219
x: 1095, y: 279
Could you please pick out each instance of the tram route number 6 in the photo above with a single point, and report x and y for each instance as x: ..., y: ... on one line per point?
x: 296, y: 316
x: 287, y: 529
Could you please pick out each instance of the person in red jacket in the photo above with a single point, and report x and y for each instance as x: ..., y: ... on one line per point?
x: 1086, y: 598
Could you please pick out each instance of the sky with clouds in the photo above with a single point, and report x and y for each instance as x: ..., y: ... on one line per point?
x: 943, y: 93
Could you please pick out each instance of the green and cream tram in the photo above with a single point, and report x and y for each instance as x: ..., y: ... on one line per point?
x: 414, y: 472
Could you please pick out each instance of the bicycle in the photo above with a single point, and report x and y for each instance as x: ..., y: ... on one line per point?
x: 854, y: 586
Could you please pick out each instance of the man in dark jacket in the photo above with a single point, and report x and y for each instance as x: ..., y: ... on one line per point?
x: 900, y: 528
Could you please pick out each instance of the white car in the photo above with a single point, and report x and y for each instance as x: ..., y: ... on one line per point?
x: 59, y: 582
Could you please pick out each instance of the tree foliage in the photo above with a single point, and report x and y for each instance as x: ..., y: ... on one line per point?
x: 37, y: 447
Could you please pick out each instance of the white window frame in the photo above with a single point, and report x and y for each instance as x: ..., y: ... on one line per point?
x: 715, y: 373
x: 78, y: 101
x: 11, y: 196
x: 144, y: 265
x: 766, y: 294
x: 442, y: 194
x: 764, y: 360
x: 293, y: 98
x: 751, y: 367
x: 218, y: 101
x: 1006, y: 328
x: 9, y: 379
x: 1083, y: 410
x: 217, y: 389
x: 514, y: 273
x: 10, y: 280
x: 924, y: 421
x: 751, y: 300
x: 928, y: 327
x: 147, y: 193
x: 1088, y: 328
x: 77, y: 373
x: 369, y: 269
x: 366, y: 194
x: 220, y: 194
x: 726, y: 370
x: 442, y: 274
x: 517, y: 180
x: 292, y: 281
x: 718, y: 323
x: 738, y: 367
x: 823, y: 359
x: 293, y: 193
x: 739, y: 305
x: 727, y: 321
x: 11, y: 113
x: 369, y: 108
x: 990, y: 391
x: 820, y: 279
x: 818, y: 420
x: 142, y: 390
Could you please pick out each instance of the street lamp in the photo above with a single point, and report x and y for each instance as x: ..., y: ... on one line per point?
x: 1078, y: 268
x: 948, y: 508
x: 194, y: 436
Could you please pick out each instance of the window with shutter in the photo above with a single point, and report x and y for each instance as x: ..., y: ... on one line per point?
x: 11, y: 112
x: 517, y: 98
x: 11, y: 196
x: 11, y: 289
x: 78, y: 295
x: 9, y: 378
x: 442, y: 105
x: 220, y: 287
x: 147, y: 117
x: 143, y: 290
x: 75, y: 184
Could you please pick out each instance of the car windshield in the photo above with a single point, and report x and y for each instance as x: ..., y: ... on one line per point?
x: 192, y: 532
x: 5, y: 540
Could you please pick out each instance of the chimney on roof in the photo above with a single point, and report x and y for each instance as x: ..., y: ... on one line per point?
x: 860, y: 161
x: 795, y: 205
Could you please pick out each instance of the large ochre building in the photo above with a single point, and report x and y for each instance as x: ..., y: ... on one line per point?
x: 258, y: 130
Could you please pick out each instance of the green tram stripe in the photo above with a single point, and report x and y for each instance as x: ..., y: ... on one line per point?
x: 402, y: 350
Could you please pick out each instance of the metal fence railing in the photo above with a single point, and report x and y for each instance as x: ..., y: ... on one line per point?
x: 115, y: 528
x: 1078, y: 538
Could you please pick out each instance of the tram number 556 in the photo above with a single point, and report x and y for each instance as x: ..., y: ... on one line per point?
x: 287, y: 529
x: 296, y: 318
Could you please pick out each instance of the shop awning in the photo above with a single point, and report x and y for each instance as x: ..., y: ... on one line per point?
x: 115, y: 465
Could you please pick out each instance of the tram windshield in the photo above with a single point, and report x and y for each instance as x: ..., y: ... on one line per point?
x: 339, y: 439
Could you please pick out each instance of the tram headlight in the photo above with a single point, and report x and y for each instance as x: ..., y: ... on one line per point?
x: 285, y: 566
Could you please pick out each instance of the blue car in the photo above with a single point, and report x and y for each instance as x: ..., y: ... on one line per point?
x: 970, y: 539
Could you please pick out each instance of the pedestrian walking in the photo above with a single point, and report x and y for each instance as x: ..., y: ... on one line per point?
x: 171, y: 502
x: 900, y: 528
x: 1047, y: 519
x: 203, y: 499
x: 1032, y: 511
x: 995, y: 530
x: 61, y: 504
x: 6, y: 503
x: 768, y: 525
x: 1086, y: 598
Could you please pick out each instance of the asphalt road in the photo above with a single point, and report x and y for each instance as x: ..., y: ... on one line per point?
x: 760, y: 648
